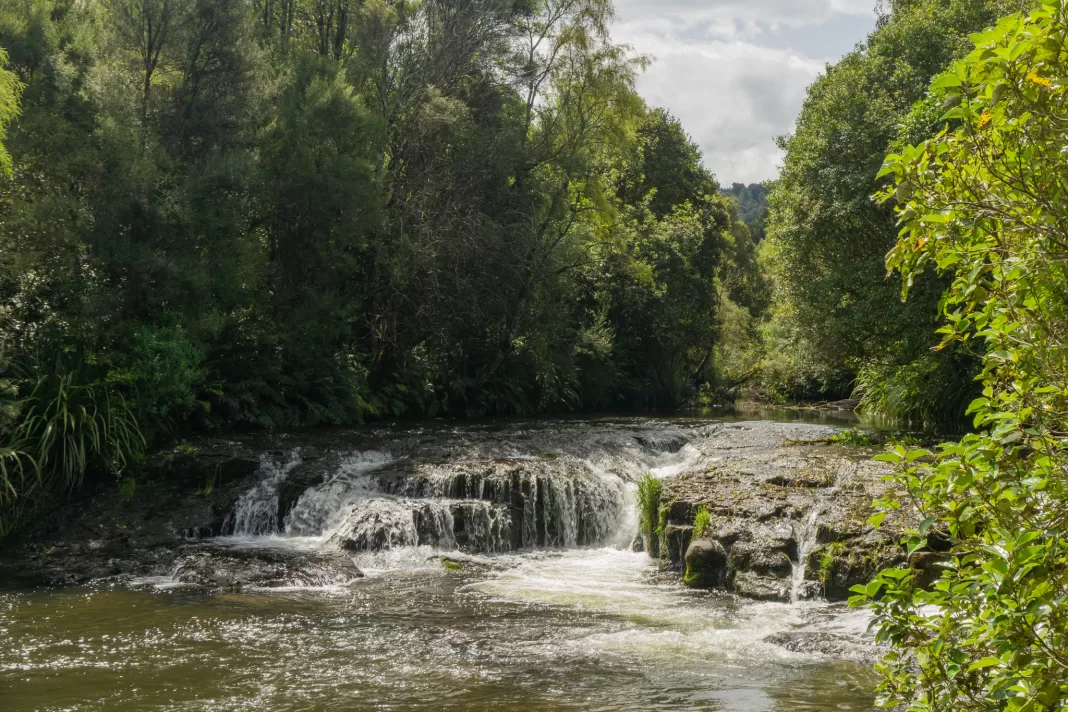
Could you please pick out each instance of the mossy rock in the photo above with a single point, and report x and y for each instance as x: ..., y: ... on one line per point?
x: 706, y: 564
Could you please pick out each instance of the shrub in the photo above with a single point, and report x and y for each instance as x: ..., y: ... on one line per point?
x: 932, y: 390
x: 164, y: 371
x: 69, y: 428
x: 984, y: 201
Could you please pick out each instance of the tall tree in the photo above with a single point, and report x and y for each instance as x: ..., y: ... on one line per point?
x: 828, y: 239
x: 146, y: 28
x: 10, y: 92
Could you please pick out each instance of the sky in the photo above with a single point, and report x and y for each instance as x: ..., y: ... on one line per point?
x: 735, y: 71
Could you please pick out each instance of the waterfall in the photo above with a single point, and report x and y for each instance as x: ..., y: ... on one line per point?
x: 322, y: 509
x: 468, y: 492
x: 806, y: 534
x: 256, y: 512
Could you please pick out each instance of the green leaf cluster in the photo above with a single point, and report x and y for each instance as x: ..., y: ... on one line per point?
x: 984, y: 202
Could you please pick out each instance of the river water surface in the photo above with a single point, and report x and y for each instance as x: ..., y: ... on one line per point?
x: 580, y: 629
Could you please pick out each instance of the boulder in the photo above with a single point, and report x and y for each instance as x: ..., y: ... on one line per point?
x: 219, y: 568
x: 761, y: 588
x: 706, y: 564
x: 764, y: 555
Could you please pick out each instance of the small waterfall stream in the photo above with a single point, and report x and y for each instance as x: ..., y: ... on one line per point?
x: 462, y: 568
x: 806, y: 533
x: 256, y: 513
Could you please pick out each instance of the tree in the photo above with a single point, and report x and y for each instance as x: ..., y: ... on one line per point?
x: 752, y: 206
x: 828, y: 239
x: 147, y: 28
x: 10, y: 92
x: 984, y: 202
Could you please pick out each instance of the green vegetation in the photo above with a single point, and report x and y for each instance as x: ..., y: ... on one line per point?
x: 836, y: 324
x: 752, y: 206
x: 222, y: 214
x: 10, y: 93
x: 983, y: 203
x: 827, y: 561
x: 649, y: 490
x: 701, y: 521
x: 61, y: 431
x: 852, y: 437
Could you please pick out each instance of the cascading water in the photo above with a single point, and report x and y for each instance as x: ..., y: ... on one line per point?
x: 537, y: 630
x: 256, y: 513
x: 493, y: 499
x: 806, y: 534
x: 322, y: 509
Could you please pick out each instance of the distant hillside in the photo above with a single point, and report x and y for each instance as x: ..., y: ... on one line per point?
x: 753, y: 202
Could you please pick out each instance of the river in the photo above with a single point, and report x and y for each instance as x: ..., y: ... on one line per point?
x: 579, y: 628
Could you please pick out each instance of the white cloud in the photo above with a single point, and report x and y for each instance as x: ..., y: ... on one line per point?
x: 735, y: 71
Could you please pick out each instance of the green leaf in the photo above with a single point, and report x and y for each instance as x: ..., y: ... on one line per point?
x: 987, y: 662
x: 946, y: 80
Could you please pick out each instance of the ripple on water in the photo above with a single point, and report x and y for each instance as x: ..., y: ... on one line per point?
x: 580, y: 630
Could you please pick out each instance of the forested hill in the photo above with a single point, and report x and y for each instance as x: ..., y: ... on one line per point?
x: 752, y: 206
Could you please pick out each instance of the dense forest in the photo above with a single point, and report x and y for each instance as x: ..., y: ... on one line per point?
x: 752, y: 206
x: 288, y: 213
x: 219, y: 213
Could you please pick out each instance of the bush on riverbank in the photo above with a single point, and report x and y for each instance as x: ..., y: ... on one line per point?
x: 648, y: 494
x: 983, y: 203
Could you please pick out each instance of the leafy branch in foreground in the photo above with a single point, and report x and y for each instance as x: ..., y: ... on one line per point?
x: 986, y: 202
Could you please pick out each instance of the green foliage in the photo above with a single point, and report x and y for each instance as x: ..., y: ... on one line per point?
x: 70, y: 428
x: 701, y: 521
x: 63, y: 430
x: 296, y: 217
x: 649, y: 490
x: 10, y: 92
x: 836, y: 315
x: 164, y: 370
x: 852, y: 437
x: 752, y: 206
x: 983, y: 202
x: 929, y: 391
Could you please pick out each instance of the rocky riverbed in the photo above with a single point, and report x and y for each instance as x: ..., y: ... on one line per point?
x: 787, y: 508
x: 788, y: 514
